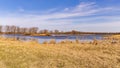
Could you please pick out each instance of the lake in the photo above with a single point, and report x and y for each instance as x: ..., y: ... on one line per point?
x: 58, y: 38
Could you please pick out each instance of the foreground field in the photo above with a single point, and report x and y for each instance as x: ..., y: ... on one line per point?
x: 18, y: 54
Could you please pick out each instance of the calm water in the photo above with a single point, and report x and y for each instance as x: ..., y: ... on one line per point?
x: 57, y: 38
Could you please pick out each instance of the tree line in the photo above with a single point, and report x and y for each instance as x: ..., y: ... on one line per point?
x: 35, y: 30
x: 26, y: 31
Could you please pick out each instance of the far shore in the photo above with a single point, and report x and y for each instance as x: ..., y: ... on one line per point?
x: 44, y: 34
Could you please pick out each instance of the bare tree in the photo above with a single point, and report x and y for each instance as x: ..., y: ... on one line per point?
x: 33, y: 30
x: 7, y: 29
x: 56, y: 31
x: 45, y: 31
x: 1, y: 28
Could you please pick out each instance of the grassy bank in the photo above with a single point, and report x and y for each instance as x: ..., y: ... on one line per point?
x: 19, y: 54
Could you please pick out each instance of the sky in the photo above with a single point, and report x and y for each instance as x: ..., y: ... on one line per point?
x: 64, y: 15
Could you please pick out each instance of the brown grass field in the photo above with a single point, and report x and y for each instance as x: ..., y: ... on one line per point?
x: 20, y: 54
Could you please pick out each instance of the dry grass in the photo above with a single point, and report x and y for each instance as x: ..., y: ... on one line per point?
x: 19, y: 54
x: 116, y: 36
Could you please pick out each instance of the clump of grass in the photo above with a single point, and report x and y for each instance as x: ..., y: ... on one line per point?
x: 62, y: 42
x: 77, y: 41
x: 66, y: 41
x: 52, y: 41
x: 45, y: 42
x: 95, y: 42
x: 33, y: 41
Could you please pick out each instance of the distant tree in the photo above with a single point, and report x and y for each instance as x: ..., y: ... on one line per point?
x: 25, y: 30
x: 56, y: 31
x: 73, y: 32
x: 51, y: 32
x: 7, y: 29
x: 18, y: 30
x: 33, y: 30
x: 13, y: 29
x: 45, y: 31
x: 1, y: 28
x: 40, y: 32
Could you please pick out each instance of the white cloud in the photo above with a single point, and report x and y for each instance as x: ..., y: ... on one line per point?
x: 64, y: 19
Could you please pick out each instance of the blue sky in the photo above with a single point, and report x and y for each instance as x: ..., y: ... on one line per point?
x: 64, y: 15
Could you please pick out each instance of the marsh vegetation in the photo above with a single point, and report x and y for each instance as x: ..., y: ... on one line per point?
x: 66, y: 54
